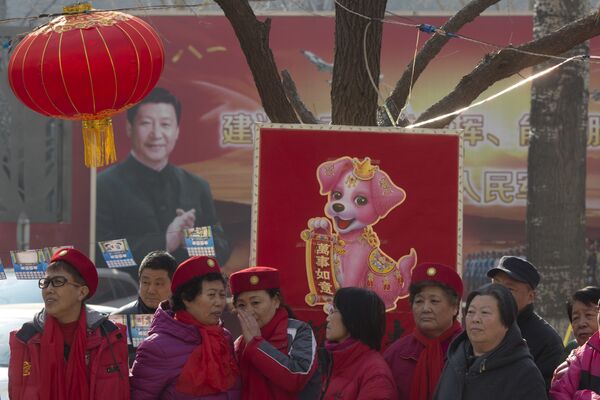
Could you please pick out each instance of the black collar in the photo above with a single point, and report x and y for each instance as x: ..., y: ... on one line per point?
x: 140, y: 170
x: 144, y: 308
x: 525, y: 313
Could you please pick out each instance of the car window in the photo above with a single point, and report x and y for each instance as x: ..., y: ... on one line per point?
x: 124, y: 287
x: 13, y: 291
x: 114, y: 286
x: 104, y: 292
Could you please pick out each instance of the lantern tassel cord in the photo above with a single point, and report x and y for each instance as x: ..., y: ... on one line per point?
x: 98, y: 142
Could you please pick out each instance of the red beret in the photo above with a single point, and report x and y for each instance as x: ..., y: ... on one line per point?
x: 194, y: 267
x: 254, y: 278
x: 438, y: 273
x: 81, y: 263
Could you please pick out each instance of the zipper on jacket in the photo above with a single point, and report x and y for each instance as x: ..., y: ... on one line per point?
x: 482, y: 366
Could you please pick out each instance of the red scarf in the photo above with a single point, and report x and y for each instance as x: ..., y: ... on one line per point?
x: 254, y: 384
x: 211, y: 368
x: 430, y: 363
x: 60, y: 381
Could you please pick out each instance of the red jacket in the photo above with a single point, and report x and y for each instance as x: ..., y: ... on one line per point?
x: 581, y: 381
x: 357, y: 372
x: 106, y: 357
x: 287, y: 375
x: 402, y: 357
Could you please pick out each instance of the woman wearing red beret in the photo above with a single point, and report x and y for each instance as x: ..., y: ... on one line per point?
x: 188, y: 355
x: 276, y: 353
x: 417, y: 360
x: 68, y: 351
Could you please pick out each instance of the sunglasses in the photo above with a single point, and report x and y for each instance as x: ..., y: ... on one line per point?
x: 56, y: 281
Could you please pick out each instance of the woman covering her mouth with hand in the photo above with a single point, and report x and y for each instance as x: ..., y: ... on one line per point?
x: 188, y: 354
x: 277, y: 353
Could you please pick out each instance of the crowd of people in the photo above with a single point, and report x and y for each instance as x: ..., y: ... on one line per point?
x: 502, y: 350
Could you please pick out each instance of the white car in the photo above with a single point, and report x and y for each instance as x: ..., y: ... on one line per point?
x: 12, y: 317
x: 115, y: 289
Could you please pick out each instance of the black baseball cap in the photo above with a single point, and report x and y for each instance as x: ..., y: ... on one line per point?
x: 518, y: 269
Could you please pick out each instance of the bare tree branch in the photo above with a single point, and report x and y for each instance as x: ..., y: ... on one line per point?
x: 306, y: 117
x: 253, y: 36
x: 507, y: 62
x: 397, y: 99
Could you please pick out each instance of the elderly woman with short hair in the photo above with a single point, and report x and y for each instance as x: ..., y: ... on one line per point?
x: 490, y: 360
x: 577, y: 377
x: 188, y: 354
x: 582, y: 310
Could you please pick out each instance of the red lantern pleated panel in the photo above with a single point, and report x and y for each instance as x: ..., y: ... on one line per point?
x: 87, y: 66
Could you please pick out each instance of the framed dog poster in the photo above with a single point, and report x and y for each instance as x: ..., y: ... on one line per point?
x: 338, y: 206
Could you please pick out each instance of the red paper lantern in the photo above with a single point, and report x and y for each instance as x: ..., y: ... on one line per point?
x: 87, y: 65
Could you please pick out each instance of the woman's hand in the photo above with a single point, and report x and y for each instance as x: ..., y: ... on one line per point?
x: 560, y: 371
x: 249, y: 326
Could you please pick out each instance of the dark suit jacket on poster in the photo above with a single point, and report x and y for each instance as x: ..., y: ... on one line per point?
x: 138, y: 203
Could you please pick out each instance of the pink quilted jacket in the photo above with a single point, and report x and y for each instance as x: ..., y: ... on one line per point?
x: 581, y: 381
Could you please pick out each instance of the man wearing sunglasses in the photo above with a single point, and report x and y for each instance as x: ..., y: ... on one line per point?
x: 68, y: 351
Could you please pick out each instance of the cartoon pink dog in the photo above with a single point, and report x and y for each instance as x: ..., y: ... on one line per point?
x: 360, y: 195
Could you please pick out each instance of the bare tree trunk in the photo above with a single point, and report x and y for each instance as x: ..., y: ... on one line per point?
x: 557, y: 167
x: 353, y: 97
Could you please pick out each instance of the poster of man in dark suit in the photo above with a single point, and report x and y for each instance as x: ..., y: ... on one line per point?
x: 146, y: 199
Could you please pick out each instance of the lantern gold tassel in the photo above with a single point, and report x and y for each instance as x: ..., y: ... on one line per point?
x: 98, y: 142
